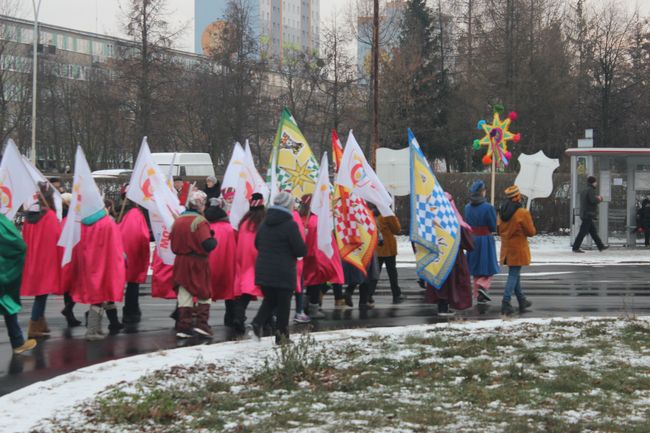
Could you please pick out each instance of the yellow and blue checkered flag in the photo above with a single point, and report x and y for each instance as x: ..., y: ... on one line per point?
x: 435, y: 230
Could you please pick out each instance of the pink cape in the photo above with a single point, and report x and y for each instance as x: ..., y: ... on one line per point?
x: 245, y: 257
x: 135, y: 238
x: 42, y: 269
x: 222, y: 261
x: 162, y: 280
x: 300, y: 264
x: 98, y: 269
x: 318, y: 268
x: 66, y: 271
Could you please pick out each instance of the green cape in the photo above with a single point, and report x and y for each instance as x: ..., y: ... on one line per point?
x: 12, y: 257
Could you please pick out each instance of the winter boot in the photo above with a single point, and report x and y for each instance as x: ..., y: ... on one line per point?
x: 524, y: 304
x: 34, y: 329
x: 184, y: 322
x: 94, y: 329
x: 314, y: 312
x: 443, y: 309
x: 114, y: 324
x: 340, y: 304
x: 202, y: 316
x: 27, y: 345
x: 229, y: 317
x: 44, y: 326
x: 349, y: 291
x: 130, y: 316
x: 506, y: 309
x: 69, y: 315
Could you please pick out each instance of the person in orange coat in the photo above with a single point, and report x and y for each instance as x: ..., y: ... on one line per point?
x: 387, y: 252
x: 515, y: 226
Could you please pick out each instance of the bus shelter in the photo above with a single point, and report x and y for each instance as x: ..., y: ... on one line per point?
x: 623, y: 181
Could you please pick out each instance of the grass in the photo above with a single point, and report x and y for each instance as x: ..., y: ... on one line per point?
x: 514, y: 380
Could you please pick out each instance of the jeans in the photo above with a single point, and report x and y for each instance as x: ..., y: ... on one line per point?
x: 13, y: 329
x: 513, y: 284
x: 587, y: 227
x: 38, y: 309
x: 278, y: 301
x: 391, y: 268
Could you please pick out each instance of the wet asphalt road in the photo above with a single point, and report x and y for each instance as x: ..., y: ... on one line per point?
x: 555, y: 290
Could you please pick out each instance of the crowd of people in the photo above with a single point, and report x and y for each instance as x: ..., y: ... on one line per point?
x: 273, y: 256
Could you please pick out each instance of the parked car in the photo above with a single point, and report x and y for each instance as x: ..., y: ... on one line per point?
x: 185, y: 164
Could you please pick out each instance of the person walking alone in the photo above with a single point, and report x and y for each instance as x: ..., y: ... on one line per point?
x: 588, y: 214
x: 515, y: 226
x: 387, y: 251
x: 279, y: 245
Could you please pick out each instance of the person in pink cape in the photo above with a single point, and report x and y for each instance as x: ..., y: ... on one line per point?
x: 245, y: 289
x: 42, y: 268
x: 456, y: 291
x: 301, y: 316
x: 135, y: 238
x: 222, y: 260
x: 66, y: 273
x: 318, y: 268
x: 162, y: 279
x: 98, y: 270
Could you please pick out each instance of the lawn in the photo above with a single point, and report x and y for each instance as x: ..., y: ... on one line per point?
x: 545, y: 376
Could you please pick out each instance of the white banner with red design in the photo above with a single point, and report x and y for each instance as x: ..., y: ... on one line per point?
x: 356, y: 174
x: 16, y: 184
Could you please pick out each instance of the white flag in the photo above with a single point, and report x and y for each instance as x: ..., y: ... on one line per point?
x: 37, y: 177
x: 231, y: 176
x: 86, y: 201
x: 356, y: 174
x: 259, y: 185
x: 148, y: 187
x: 321, y: 207
x: 240, y: 202
x: 16, y: 184
x: 152, y: 190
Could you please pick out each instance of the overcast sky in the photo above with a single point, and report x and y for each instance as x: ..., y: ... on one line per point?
x: 104, y: 16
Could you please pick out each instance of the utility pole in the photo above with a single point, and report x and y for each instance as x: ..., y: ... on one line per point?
x: 37, y: 8
x: 375, y: 82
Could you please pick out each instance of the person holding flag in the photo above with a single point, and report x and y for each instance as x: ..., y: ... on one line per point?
x: 12, y: 258
x: 42, y: 271
x: 135, y: 238
x: 93, y: 246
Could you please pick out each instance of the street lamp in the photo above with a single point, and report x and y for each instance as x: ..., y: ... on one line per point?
x: 37, y: 8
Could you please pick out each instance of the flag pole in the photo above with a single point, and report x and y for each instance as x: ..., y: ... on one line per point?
x: 494, y: 172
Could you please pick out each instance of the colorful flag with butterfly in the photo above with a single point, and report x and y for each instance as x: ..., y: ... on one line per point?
x: 293, y: 166
x: 355, y: 226
x: 435, y: 230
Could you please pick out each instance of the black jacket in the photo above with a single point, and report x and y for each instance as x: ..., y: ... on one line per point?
x: 644, y: 217
x: 589, y: 203
x: 279, y: 244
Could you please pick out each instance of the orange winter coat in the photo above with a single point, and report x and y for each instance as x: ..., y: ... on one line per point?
x: 389, y: 227
x: 515, y: 229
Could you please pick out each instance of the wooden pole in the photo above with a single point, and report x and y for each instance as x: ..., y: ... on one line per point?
x: 494, y: 172
x: 121, y: 215
x: 375, y: 83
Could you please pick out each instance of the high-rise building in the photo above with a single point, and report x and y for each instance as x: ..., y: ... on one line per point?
x: 277, y: 24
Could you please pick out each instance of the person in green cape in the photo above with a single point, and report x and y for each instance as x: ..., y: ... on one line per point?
x: 12, y: 257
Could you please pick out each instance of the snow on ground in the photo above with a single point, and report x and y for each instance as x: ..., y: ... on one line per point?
x: 546, y: 249
x: 63, y: 398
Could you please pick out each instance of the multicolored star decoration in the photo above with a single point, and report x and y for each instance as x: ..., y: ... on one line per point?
x: 300, y: 175
x: 497, y: 136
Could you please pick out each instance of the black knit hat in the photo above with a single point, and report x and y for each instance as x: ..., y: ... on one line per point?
x: 591, y: 180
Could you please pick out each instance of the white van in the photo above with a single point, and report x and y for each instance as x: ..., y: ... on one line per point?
x: 185, y: 164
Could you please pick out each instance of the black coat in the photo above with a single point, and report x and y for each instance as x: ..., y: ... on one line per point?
x: 279, y: 244
x: 644, y: 217
x: 589, y: 203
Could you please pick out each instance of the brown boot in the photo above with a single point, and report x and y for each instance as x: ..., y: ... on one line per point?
x: 202, y: 317
x: 34, y: 329
x: 45, y: 329
x: 184, y: 322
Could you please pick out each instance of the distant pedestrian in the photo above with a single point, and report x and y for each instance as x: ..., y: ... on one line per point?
x: 12, y: 257
x: 588, y: 214
x: 279, y: 245
x: 483, y: 262
x: 515, y: 226
x: 643, y: 216
x: 212, y: 187
x: 389, y: 227
x: 192, y: 242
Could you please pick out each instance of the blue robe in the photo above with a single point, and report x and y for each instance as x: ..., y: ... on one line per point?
x: 483, y: 259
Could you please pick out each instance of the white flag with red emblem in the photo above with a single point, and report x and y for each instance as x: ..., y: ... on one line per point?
x: 86, y: 201
x: 150, y: 189
x: 356, y: 174
x: 37, y: 177
x: 16, y: 184
x: 248, y: 182
x: 321, y: 206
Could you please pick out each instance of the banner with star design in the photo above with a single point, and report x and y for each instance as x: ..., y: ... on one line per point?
x: 435, y: 230
x: 296, y: 167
